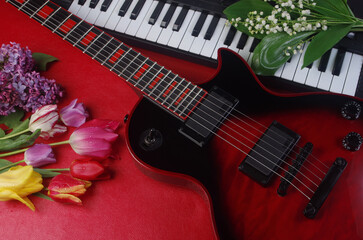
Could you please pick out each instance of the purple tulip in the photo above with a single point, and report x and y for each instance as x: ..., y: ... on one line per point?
x: 39, y: 155
x: 92, y: 141
x: 74, y: 115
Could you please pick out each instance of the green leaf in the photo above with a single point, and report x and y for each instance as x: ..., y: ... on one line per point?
x: 42, y: 59
x: 269, y: 55
x: 13, y: 119
x: 46, y: 173
x: 2, y: 133
x: 21, y: 127
x: 243, y: 7
x: 42, y: 195
x: 21, y: 141
x: 333, y: 8
x: 324, y: 41
x: 4, y: 163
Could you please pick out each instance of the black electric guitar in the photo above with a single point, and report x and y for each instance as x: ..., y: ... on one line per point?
x: 271, y: 165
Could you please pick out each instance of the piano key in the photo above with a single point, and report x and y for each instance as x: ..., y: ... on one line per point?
x: 290, y: 67
x: 324, y: 61
x: 230, y: 35
x: 326, y: 77
x: 352, y: 78
x: 75, y: 6
x: 179, y: 21
x: 114, y: 17
x: 279, y: 71
x: 177, y: 36
x: 138, y: 22
x: 167, y: 32
x: 105, y: 5
x: 313, y: 75
x: 81, y: 2
x: 187, y: 40
x: 143, y: 31
x: 235, y: 41
x: 245, y: 51
x: 199, y: 41
x: 125, y: 20
x: 104, y: 16
x: 156, y: 29
x: 169, y: 14
x: 301, y: 73
x: 255, y: 42
x: 84, y: 10
x: 124, y: 8
x: 338, y: 62
x: 200, y: 23
x: 93, y: 14
x: 242, y: 41
x: 338, y: 81
x: 210, y: 45
x: 155, y: 15
x: 137, y: 9
x: 221, y: 39
x: 93, y: 3
x: 212, y: 27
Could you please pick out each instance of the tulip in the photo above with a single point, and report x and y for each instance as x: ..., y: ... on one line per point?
x: 74, y: 115
x: 66, y: 189
x: 19, y: 182
x: 39, y: 155
x: 88, y: 169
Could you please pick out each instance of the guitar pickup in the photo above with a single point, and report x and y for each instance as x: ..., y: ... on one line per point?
x: 208, y: 116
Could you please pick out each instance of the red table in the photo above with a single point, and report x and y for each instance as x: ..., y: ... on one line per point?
x: 130, y: 205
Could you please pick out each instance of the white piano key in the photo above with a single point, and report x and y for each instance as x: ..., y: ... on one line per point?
x: 168, y: 31
x: 313, y: 75
x: 290, y: 67
x: 74, y: 8
x: 145, y: 27
x: 104, y: 16
x: 338, y: 81
x: 136, y: 24
x: 94, y: 13
x: 327, y: 76
x: 156, y: 28
x: 220, y: 42
x: 354, y: 70
x: 210, y: 45
x: 199, y: 41
x: 300, y: 74
x: 188, y: 39
x: 84, y: 10
x: 234, y: 43
x: 114, y: 18
x: 125, y: 20
x: 177, y: 36
x: 279, y: 71
x: 245, y: 52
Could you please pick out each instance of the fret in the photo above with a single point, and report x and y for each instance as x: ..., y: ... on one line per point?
x: 23, y: 5
x: 154, y: 75
x: 176, y: 92
x: 126, y: 70
x: 65, y: 25
x: 167, y: 85
x: 107, y: 52
x: 71, y: 31
x: 50, y: 15
x: 39, y: 9
x: 80, y: 40
x: 139, y: 68
x: 158, y: 88
x: 86, y: 49
x: 121, y: 53
x: 184, y: 102
x: 145, y: 79
x: 113, y: 53
x: 95, y: 47
x: 180, y: 97
x: 16, y: 3
x: 193, y: 102
x: 100, y: 54
x: 168, y: 94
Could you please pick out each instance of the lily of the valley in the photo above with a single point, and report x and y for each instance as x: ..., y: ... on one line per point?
x: 19, y: 182
x: 74, y: 115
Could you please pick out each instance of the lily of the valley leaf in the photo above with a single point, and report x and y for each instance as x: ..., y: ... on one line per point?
x: 42, y: 59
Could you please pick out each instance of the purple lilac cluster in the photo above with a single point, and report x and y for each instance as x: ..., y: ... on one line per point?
x: 19, y: 85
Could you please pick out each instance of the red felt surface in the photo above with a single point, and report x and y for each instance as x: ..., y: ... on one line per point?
x: 130, y: 205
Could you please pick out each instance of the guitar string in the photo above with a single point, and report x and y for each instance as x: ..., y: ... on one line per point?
x: 315, y: 184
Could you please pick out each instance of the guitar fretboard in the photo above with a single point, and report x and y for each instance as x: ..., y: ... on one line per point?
x: 165, y: 88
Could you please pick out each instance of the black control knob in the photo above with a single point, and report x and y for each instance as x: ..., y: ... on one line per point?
x: 352, y: 141
x: 351, y: 110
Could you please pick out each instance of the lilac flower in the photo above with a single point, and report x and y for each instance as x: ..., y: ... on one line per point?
x: 74, y: 115
x: 9, y: 97
x: 14, y: 58
x: 39, y: 155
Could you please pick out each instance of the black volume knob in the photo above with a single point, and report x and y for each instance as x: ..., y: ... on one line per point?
x: 351, y: 110
x: 352, y: 141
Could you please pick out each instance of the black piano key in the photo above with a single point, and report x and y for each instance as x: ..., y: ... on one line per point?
x: 81, y: 2
x: 254, y: 44
x: 124, y: 8
x: 155, y: 15
x: 310, y: 65
x: 338, y: 63
x: 136, y: 11
x: 230, y: 35
x: 93, y: 3
x: 198, y: 26
x: 180, y: 19
x: 169, y: 14
x: 105, y: 5
x: 242, y: 41
x: 289, y: 60
x: 324, y: 61
x: 212, y: 27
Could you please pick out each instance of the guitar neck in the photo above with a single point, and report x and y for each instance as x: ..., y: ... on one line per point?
x: 165, y: 88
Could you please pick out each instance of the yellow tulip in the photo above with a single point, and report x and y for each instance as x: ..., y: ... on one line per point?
x: 19, y: 182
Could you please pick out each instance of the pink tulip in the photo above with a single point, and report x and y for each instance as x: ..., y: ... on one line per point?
x: 39, y: 155
x: 93, y: 141
x: 44, y: 119
x: 74, y: 115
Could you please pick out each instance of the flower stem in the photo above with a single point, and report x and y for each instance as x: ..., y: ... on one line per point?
x: 59, y: 143
x: 15, y: 134
x: 13, y: 152
x: 11, y: 165
x: 57, y: 169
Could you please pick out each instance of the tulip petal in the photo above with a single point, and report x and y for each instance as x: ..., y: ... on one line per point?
x: 91, y: 133
x: 74, y: 114
x: 98, y: 148
x: 6, y: 194
x: 109, y: 125
x: 65, y: 198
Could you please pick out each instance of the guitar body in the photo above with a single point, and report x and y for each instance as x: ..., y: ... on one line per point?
x: 242, y: 208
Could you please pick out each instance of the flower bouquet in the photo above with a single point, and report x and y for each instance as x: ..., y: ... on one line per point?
x: 287, y: 27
